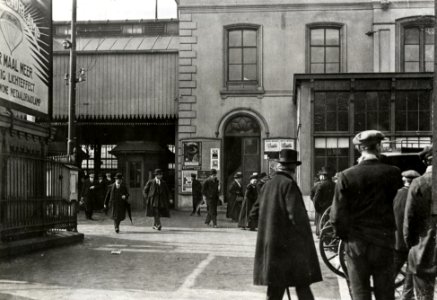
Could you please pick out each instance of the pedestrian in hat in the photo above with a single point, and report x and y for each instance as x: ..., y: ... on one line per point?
x: 117, y: 198
x: 401, y: 250
x: 156, y: 195
x: 362, y: 216
x: 285, y: 251
x: 196, y: 191
x: 89, y: 195
x: 419, y: 231
x: 210, y: 191
x: 250, y: 197
x: 235, y: 195
x: 254, y: 212
x: 322, y: 194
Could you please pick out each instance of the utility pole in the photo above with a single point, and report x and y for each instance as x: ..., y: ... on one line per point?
x: 72, y: 88
x: 434, y: 121
x: 156, y: 10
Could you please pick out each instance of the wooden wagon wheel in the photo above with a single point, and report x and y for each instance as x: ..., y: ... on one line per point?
x: 328, y: 246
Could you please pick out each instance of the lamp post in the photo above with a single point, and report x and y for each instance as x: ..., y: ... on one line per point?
x: 72, y: 88
x: 434, y: 122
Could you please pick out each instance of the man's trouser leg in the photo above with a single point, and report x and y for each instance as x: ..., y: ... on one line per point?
x: 157, y: 216
x: 424, y: 286
x: 382, y: 262
x: 408, y: 288
x: 208, y: 214
x: 213, y: 212
x: 275, y: 292
x: 116, y: 224
x: 304, y: 293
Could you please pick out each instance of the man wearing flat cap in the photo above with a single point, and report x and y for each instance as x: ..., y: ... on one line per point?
x: 157, y: 195
x: 419, y: 227
x: 362, y: 216
x: 285, y: 252
x: 322, y: 194
x: 210, y: 191
x: 235, y: 195
x: 401, y: 250
x: 117, y: 198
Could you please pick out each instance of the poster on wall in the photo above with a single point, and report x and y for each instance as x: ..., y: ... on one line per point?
x: 187, y: 180
x: 215, y: 158
x: 192, y: 155
x: 26, y: 55
x: 276, y: 145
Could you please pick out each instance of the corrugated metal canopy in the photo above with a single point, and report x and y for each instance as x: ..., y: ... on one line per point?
x: 133, y: 43
x: 118, y: 85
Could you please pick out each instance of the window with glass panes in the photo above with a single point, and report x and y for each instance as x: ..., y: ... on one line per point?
x: 108, y: 160
x: 325, y: 50
x: 331, y: 151
x: 242, y: 56
x: 331, y: 111
x: 413, y: 111
x: 372, y: 110
x: 418, y: 48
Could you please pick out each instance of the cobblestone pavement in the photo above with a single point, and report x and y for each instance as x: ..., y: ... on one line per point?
x: 186, y: 260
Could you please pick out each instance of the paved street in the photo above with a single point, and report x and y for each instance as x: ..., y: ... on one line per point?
x: 186, y: 260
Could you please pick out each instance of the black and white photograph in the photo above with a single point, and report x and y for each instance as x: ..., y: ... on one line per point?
x: 206, y: 149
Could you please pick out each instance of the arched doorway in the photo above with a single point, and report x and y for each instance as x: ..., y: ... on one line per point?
x: 241, y: 148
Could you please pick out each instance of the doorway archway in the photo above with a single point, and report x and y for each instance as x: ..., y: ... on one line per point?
x: 242, y: 150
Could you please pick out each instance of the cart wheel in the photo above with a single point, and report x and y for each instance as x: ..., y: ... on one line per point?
x: 400, y: 277
x: 328, y: 246
x: 324, y: 220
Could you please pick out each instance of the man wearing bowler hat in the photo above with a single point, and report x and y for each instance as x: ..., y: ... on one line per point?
x: 117, y: 199
x: 285, y: 251
x: 322, y: 194
x: 362, y: 216
x: 156, y: 195
x: 419, y: 227
x: 210, y: 191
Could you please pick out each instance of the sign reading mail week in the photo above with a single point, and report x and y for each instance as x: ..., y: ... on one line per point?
x: 25, y: 55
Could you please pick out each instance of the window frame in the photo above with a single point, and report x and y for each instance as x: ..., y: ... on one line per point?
x: 233, y: 88
x: 342, y: 45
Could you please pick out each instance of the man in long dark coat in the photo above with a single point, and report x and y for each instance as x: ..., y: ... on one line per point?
x: 117, y: 198
x: 285, y: 251
x: 322, y: 194
x: 417, y: 221
x: 89, y: 195
x: 401, y: 250
x: 235, y: 197
x: 196, y: 191
x: 362, y: 216
x: 157, y: 195
x: 210, y: 191
x: 250, y: 197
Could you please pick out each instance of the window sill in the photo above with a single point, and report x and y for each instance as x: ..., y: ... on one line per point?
x: 259, y: 93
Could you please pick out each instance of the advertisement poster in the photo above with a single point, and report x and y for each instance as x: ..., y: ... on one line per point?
x: 25, y: 55
x: 276, y: 145
x: 215, y: 158
x: 192, y: 154
x: 186, y: 180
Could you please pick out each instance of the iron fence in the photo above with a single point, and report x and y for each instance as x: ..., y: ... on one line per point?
x: 32, y: 197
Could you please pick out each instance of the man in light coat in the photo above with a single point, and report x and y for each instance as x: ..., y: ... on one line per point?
x: 285, y: 251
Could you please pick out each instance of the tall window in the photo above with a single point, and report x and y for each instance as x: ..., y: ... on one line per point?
x: 418, y: 45
x: 372, y: 110
x: 413, y: 111
x: 242, y: 57
x: 331, y: 151
x: 325, y: 50
x: 331, y: 111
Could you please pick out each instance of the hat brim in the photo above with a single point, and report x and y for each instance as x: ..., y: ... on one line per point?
x: 290, y: 162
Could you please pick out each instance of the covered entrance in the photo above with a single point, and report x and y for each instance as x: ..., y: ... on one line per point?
x: 241, y: 148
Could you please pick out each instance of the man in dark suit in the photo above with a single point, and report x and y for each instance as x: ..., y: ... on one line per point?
x: 322, y: 194
x: 401, y: 250
x: 418, y: 221
x: 89, y: 195
x: 285, y: 251
x: 362, y: 216
x: 235, y: 197
x: 196, y: 191
x: 210, y: 191
x: 117, y: 198
x: 157, y: 195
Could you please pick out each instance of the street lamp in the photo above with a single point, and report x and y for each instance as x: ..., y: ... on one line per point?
x: 71, y: 140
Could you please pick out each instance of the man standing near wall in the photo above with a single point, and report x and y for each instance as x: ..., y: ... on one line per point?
x: 362, y: 216
x: 210, y: 193
x: 196, y: 190
x: 285, y: 251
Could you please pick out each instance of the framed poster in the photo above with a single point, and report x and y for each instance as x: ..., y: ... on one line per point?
x: 26, y: 56
x: 187, y: 180
x: 192, y: 155
x: 215, y: 158
x: 271, y: 146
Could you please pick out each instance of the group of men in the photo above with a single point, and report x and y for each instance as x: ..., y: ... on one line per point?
x: 93, y: 192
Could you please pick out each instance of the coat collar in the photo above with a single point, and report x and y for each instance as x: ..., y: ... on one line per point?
x: 285, y: 173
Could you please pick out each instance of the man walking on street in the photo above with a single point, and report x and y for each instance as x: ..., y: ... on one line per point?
x: 117, y: 198
x: 210, y: 192
x: 419, y: 227
x: 362, y: 216
x: 196, y: 190
x: 89, y: 195
x: 156, y: 194
x: 285, y: 251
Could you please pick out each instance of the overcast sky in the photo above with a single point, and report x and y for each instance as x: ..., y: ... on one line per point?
x: 114, y: 9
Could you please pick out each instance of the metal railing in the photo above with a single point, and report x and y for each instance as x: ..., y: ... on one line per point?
x: 32, y: 199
